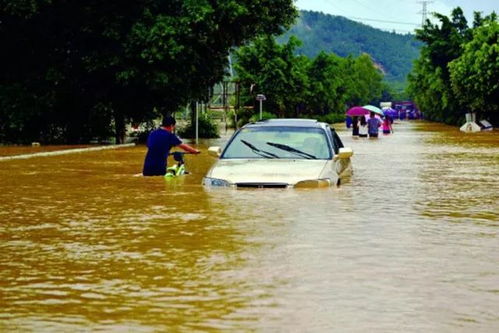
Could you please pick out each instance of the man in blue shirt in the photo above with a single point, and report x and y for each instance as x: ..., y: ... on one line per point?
x: 373, y: 125
x: 159, y: 143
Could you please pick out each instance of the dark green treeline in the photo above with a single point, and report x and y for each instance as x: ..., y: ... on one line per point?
x: 74, y: 70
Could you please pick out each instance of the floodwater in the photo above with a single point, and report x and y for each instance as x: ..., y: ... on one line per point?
x: 409, y: 244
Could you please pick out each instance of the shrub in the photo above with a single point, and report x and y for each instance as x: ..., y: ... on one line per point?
x: 265, y: 116
x: 332, y: 118
x: 207, y: 128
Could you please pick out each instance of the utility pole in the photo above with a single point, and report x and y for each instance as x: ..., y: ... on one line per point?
x: 424, y: 12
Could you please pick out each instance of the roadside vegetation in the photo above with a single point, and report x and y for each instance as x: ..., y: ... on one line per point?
x: 458, y: 69
x: 76, y: 72
x: 71, y: 71
x: 298, y: 86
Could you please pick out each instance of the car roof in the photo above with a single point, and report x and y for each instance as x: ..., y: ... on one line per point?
x: 290, y: 122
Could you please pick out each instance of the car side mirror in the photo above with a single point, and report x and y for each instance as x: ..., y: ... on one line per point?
x: 215, y: 151
x: 344, y: 153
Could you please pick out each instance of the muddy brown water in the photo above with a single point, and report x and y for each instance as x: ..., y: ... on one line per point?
x: 410, y: 243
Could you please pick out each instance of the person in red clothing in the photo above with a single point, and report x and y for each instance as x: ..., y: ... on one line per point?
x: 159, y: 143
x: 387, y: 125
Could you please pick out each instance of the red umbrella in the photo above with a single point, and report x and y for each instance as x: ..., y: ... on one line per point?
x: 357, y: 111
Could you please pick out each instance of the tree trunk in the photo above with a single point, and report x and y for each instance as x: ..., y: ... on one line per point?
x: 119, y: 124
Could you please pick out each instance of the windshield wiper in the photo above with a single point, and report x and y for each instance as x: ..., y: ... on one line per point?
x: 257, y: 151
x: 292, y: 150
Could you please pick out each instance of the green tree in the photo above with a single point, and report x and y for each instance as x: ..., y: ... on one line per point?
x: 429, y: 81
x: 447, y: 80
x: 475, y: 75
x: 432, y: 94
x: 297, y: 86
x: 75, y: 61
x: 363, y: 81
x: 326, y: 77
x: 273, y: 70
x: 443, y: 41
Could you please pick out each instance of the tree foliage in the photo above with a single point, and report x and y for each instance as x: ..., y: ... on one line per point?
x: 457, y: 69
x: 296, y: 86
x: 273, y: 70
x: 327, y: 80
x: 475, y: 75
x: 78, y: 69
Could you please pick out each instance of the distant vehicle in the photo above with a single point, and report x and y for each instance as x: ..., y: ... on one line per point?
x: 406, y: 110
x: 281, y: 153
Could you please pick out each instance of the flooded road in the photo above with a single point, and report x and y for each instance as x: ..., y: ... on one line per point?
x: 409, y: 244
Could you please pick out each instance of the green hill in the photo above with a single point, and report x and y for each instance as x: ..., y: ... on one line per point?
x: 393, y: 52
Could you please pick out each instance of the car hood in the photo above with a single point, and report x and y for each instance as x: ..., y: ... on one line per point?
x: 267, y: 170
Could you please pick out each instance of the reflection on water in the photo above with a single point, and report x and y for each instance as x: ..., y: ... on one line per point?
x: 409, y: 244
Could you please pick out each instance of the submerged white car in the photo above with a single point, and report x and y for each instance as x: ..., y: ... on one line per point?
x: 281, y: 153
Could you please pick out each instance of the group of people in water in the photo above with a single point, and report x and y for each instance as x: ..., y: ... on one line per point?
x: 369, y: 127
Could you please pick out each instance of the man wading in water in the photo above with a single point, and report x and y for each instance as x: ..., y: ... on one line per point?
x: 373, y: 125
x: 159, y: 143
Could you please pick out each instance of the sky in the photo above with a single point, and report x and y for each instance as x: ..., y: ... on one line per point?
x: 401, y: 16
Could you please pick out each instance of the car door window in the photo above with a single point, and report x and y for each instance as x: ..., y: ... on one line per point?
x: 337, y: 144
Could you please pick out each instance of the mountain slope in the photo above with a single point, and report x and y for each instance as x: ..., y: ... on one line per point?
x: 393, y: 52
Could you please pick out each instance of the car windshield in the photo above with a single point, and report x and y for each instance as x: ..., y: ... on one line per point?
x: 279, y: 142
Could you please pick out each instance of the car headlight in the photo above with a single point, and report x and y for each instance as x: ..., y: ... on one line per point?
x: 215, y: 182
x: 313, y: 183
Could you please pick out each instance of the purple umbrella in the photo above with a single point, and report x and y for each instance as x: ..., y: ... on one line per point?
x: 357, y: 111
x: 390, y: 112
